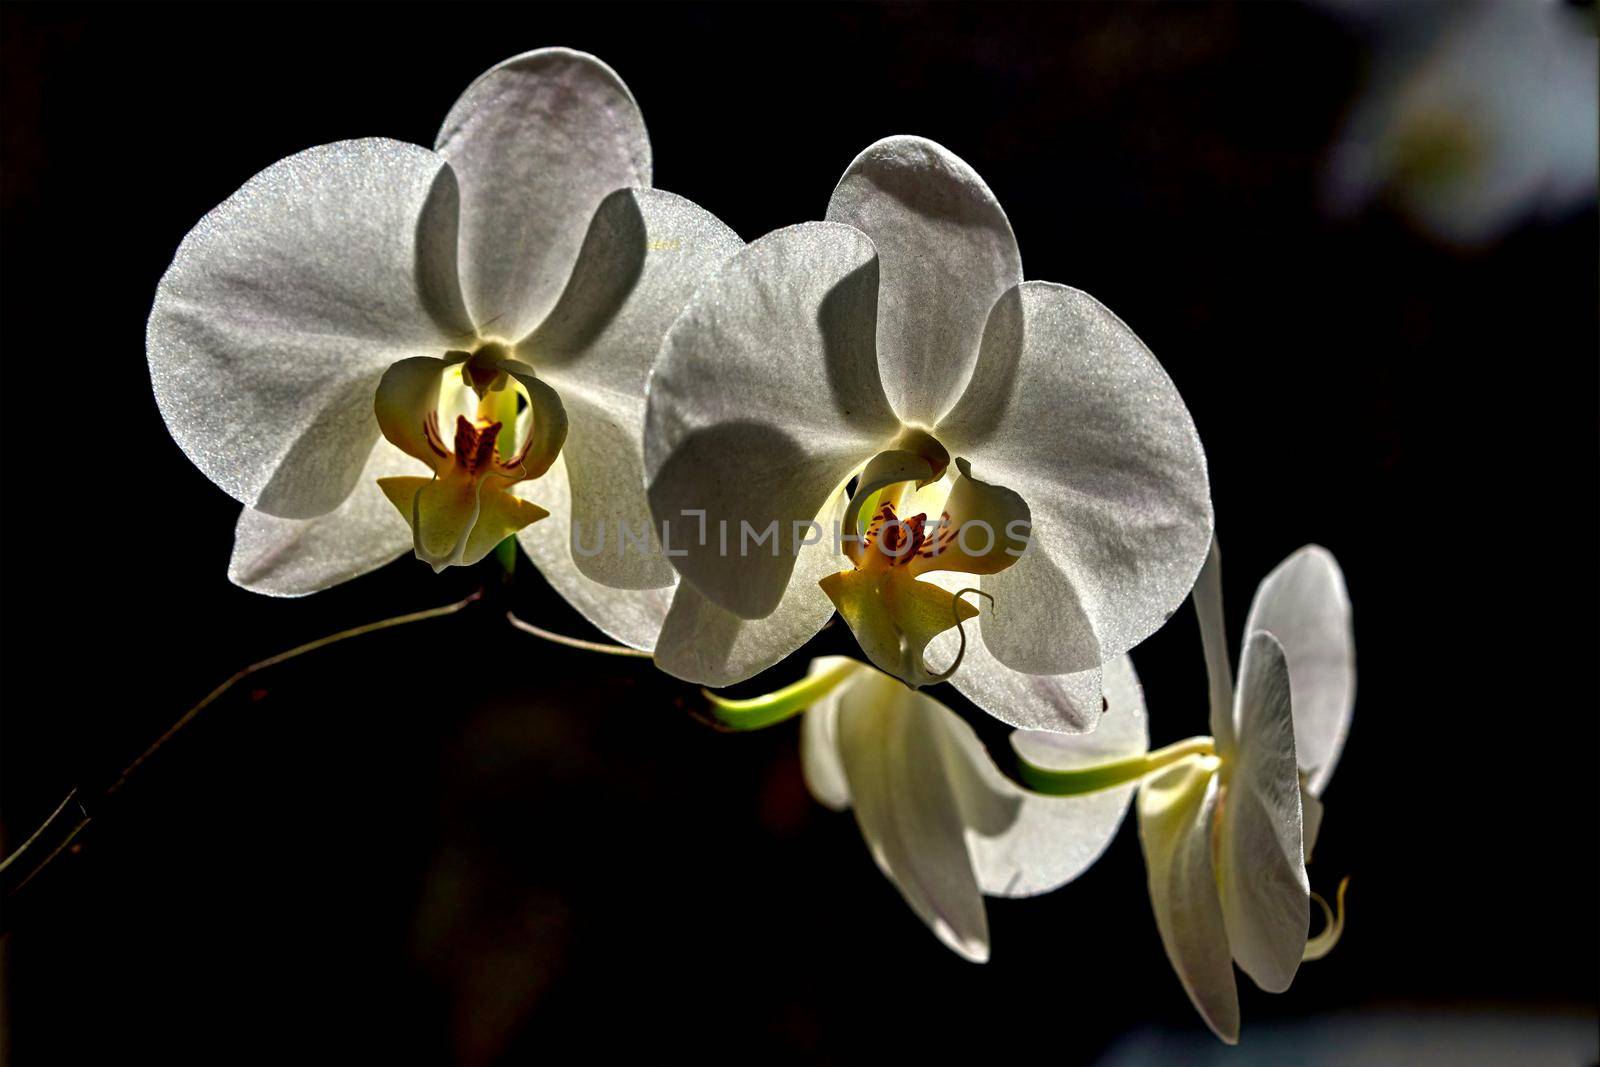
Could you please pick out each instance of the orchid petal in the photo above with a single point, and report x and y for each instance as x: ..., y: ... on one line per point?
x: 543, y: 427
x: 819, y: 740
x: 1177, y: 808
x: 983, y: 528
x: 294, y: 557
x: 645, y: 254
x: 538, y: 141
x: 1048, y: 841
x: 947, y: 253
x: 1121, y: 730
x: 892, y: 746
x: 1068, y: 703
x: 1071, y: 411
x: 771, y: 364
x: 407, y: 404
x: 280, y: 311
x: 1310, y: 813
x: 630, y: 616
x: 890, y: 467
x: 1207, y: 597
x: 1266, y: 897
x: 1303, y: 603
x: 701, y: 642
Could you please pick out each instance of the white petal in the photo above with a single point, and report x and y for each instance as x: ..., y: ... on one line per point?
x: 1122, y: 729
x: 538, y: 141
x: 282, y: 308
x: 1266, y: 898
x: 1176, y: 811
x: 1303, y: 603
x: 1214, y: 640
x: 764, y: 400
x: 631, y: 616
x: 1069, y: 703
x: 1070, y: 410
x: 645, y: 253
x: 893, y: 748
x: 1023, y: 843
x: 293, y: 557
x: 1310, y: 819
x: 947, y: 253
x: 703, y: 643
x: 819, y: 741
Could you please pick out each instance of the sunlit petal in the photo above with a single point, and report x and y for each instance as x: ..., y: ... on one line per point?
x: 1303, y: 603
x: 1177, y: 808
x: 1260, y: 842
x: 1069, y: 409
x: 645, y: 253
x: 282, y: 308
x: 537, y: 142
x: 947, y: 252
x: 764, y: 400
x: 294, y: 557
x: 1023, y: 843
x: 892, y: 746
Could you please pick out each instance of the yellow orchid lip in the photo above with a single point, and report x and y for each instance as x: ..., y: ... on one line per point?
x: 515, y: 431
x: 893, y: 613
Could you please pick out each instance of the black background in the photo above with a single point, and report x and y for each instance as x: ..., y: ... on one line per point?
x: 454, y: 841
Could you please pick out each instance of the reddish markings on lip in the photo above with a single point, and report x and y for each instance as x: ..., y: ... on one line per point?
x: 905, y: 540
x: 430, y: 433
x: 475, y: 444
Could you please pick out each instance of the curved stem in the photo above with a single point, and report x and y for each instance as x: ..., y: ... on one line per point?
x: 1113, y: 773
x: 576, y: 642
x: 72, y: 806
x: 773, y: 708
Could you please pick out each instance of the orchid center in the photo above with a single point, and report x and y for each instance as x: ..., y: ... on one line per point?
x: 911, y: 516
x: 481, y: 422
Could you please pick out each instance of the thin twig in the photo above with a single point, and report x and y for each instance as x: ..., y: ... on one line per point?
x: 576, y: 642
x: 189, y: 716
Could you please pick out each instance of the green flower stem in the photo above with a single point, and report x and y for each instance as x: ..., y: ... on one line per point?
x: 1108, y: 775
x: 773, y: 708
x: 505, y: 553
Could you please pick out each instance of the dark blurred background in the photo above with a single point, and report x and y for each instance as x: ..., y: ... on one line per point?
x: 455, y: 842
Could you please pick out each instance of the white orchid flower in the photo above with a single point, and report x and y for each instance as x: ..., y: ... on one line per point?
x: 941, y: 820
x: 897, y: 344
x: 1478, y: 117
x: 1227, y: 822
x: 377, y: 347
